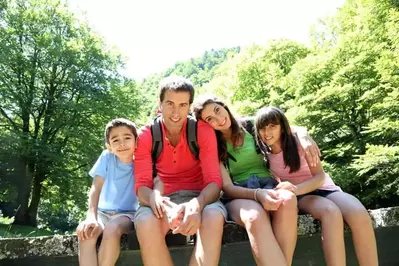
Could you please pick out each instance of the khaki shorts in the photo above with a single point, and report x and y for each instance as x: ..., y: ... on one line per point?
x: 181, y: 197
x: 105, y: 217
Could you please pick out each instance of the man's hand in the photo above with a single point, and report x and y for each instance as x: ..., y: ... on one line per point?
x: 174, y: 213
x: 310, y: 148
x: 157, y: 203
x: 286, y: 185
x: 88, y: 229
x: 269, y: 199
x: 191, y: 220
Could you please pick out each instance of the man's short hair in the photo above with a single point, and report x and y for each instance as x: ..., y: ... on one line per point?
x: 119, y: 122
x: 177, y: 84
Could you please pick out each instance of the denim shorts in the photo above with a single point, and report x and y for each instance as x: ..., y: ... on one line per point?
x: 253, y: 182
x: 318, y: 192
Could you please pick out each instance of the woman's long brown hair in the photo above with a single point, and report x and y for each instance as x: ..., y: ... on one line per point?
x: 236, y: 127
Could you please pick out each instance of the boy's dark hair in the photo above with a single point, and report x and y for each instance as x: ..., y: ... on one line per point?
x: 177, y: 84
x: 119, y: 122
x: 273, y: 115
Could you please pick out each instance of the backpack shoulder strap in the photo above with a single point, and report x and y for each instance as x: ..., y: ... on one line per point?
x: 226, y: 164
x: 192, y: 136
x: 157, y: 142
x: 249, y: 126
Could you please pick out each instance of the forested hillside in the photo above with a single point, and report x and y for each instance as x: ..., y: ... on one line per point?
x: 199, y: 70
x: 60, y: 84
x: 344, y: 88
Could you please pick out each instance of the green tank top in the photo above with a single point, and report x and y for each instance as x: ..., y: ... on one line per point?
x: 248, y: 163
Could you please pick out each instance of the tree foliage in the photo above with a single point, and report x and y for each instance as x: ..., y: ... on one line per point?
x: 199, y: 70
x: 344, y: 89
x: 59, y: 85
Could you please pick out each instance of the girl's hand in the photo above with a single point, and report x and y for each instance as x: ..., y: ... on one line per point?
x: 286, y: 185
x: 269, y: 199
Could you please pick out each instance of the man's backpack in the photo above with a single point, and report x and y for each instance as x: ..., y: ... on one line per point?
x: 157, y: 139
x: 249, y: 127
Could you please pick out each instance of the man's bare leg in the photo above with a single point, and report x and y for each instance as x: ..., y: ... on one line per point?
x: 209, y: 239
x: 151, y: 233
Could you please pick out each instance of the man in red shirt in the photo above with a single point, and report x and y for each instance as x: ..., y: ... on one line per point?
x: 193, y: 183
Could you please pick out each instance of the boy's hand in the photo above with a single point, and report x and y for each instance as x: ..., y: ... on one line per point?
x: 88, y: 229
x: 269, y: 199
x: 157, y: 203
x: 286, y: 185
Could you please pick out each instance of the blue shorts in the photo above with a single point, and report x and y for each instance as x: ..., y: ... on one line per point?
x: 318, y: 192
x: 253, y: 182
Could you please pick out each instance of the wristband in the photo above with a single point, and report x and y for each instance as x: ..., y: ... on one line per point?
x: 255, y: 197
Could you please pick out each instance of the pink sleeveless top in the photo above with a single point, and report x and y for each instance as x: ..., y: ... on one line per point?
x: 279, y: 171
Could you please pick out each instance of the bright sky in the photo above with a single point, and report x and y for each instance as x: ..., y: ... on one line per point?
x: 155, y: 34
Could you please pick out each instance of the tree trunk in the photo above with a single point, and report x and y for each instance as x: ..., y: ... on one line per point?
x: 24, y: 190
x: 36, y: 195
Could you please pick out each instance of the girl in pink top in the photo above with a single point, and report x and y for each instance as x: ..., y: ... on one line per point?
x: 317, y: 193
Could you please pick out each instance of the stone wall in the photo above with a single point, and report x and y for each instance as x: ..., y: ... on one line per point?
x: 24, y: 251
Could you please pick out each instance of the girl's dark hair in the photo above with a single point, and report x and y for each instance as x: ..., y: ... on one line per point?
x: 236, y: 126
x: 273, y: 115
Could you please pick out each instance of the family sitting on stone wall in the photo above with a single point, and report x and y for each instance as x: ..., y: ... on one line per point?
x: 190, y: 175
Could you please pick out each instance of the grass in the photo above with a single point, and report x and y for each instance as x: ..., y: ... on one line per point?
x: 8, y: 230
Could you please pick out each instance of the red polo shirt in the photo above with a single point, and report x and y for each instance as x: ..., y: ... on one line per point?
x: 176, y: 166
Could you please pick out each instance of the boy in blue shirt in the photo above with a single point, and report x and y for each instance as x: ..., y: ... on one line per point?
x: 112, y: 200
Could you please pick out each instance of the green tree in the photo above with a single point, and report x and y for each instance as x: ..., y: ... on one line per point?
x: 344, y: 89
x: 199, y: 70
x: 58, y: 86
x: 256, y: 76
x: 348, y: 95
x: 261, y: 75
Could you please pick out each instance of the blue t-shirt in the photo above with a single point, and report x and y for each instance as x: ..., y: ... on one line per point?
x: 117, y: 193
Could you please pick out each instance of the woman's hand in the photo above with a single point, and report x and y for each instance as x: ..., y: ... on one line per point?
x: 269, y: 199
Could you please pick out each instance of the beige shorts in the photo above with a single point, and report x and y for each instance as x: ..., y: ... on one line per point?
x: 105, y: 217
x: 181, y: 197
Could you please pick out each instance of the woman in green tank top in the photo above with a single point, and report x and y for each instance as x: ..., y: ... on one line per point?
x: 255, y: 195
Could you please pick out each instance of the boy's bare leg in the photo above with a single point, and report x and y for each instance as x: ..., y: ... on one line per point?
x: 88, y: 251
x: 109, y: 250
x: 151, y: 233
x: 209, y: 239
